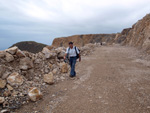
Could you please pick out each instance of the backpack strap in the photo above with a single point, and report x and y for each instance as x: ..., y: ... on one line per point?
x: 76, y: 50
x: 68, y: 50
x: 68, y: 53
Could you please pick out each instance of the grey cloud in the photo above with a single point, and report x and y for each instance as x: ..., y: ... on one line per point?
x: 44, y: 20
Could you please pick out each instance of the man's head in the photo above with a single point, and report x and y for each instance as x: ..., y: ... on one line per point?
x: 71, y: 44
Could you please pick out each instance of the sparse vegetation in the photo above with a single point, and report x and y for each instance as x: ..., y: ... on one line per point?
x: 30, y: 46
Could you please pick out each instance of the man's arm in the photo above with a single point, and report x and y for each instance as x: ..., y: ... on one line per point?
x: 65, y: 55
x: 79, y: 57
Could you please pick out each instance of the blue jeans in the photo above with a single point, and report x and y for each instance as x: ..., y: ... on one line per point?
x: 72, y: 65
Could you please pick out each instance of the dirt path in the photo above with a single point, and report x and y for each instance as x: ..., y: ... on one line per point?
x: 111, y: 80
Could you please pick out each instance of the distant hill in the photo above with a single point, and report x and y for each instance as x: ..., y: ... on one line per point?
x: 30, y: 46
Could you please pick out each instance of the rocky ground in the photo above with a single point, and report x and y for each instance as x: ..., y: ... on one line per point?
x: 25, y: 77
x: 113, y: 79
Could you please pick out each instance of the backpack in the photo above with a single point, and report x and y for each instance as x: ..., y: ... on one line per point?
x: 76, y: 52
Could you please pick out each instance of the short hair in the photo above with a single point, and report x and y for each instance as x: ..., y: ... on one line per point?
x: 70, y: 43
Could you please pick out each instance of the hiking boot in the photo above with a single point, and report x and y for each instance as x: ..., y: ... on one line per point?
x: 71, y: 76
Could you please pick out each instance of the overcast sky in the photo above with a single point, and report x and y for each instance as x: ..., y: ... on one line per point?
x: 44, y: 20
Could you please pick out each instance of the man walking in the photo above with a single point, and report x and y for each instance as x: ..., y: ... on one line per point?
x: 73, y: 53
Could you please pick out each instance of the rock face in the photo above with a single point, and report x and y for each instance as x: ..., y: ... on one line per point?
x: 121, y: 37
x: 139, y: 35
x: 81, y: 40
x: 15, y: 79
x: 34, y: 94
x: 49, y: 78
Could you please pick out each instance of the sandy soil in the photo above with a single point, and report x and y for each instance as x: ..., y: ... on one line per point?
x: 111, y: 80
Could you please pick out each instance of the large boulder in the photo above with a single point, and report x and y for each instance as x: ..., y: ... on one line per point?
x: 9, y: 87
x: 37, y: 61
x: 2, y: 99
x: 2, y: 83
x: 59, y: 49
x: 9, y: 57
x: 64, y: 67
x: 6, y: 74
x: 2, y: 54
x: 55, y: 71
x: 61, y: 54
x: 12, y: 50
x: 34, y: 94
x: 53, y: 54
x: 46, y: 52
x: 49, y: 54
x: 15, y: 79
x: 6, y: 93
x: 26, y: 63
x: 50, y: 47
x: 20, y: 53
x: 49, y: 78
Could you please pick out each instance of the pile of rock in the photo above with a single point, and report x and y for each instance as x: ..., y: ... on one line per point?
x: 88, y: 48
x: 25, y: 76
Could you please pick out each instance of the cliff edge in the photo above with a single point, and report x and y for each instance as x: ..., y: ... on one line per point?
x: 137, y: 36
x: 81, y: 40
